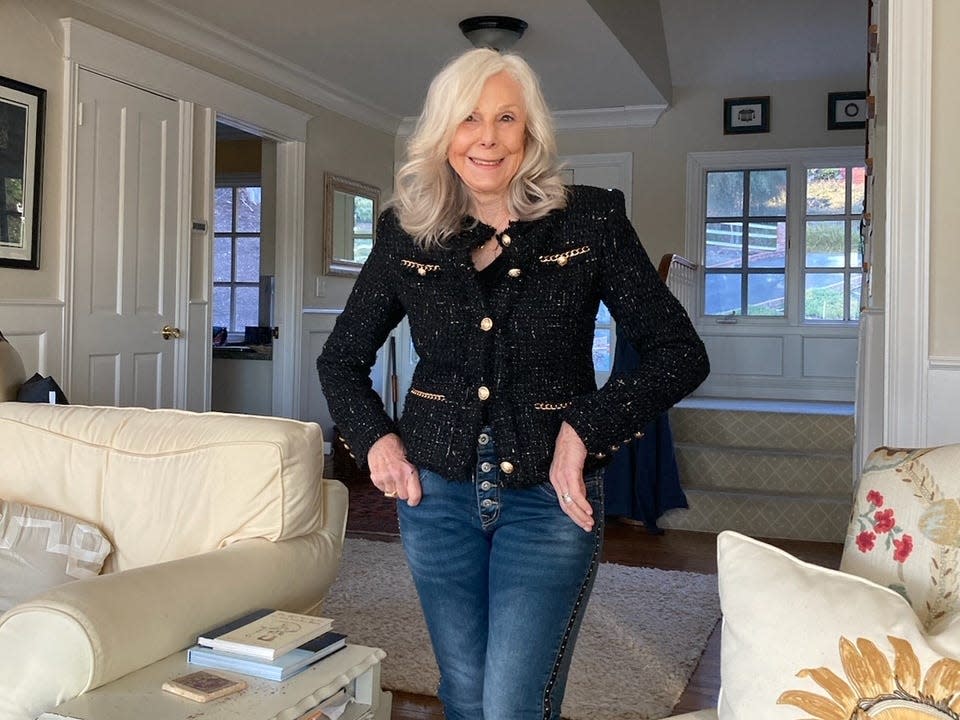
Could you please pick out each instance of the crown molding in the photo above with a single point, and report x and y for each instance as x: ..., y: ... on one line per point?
x: 633, y: 116
x: 198, y: 36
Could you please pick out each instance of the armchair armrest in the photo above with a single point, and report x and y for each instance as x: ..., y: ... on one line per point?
x: 87, y: 633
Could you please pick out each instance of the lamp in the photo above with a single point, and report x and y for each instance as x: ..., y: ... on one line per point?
x: 493, y: 31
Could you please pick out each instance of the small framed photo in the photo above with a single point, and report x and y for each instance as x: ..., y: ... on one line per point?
x: 21, y: 164
x: 746, y: 115
x: 846, y: 110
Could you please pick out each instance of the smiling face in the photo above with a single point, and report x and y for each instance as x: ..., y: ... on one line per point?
x: 488, y: 145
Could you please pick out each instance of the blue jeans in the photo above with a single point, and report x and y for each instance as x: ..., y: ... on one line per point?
x: 503, y: 577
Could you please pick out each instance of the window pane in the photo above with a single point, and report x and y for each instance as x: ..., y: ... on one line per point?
x: 722, y: 296
x: 362, y: 215
x: 223, y: 209
x: 221, y: 306
x: 248, y: 259
x: 603, y: 315
x: 768, y: 192
x: 724, y: 245
x: 222, y: 250
x: 856, y: 280
x: 361, y: 248
x: 248, y: 209
x: 823, y: 299
x: 856, y: 249
x: 768, y: 245
x: 825, y: 246
x: 857, y: 177
x: 765, y: 295
x: 601, y: 350
x: 724, y: 194
x: 247, y: 310
x: 826, y: 191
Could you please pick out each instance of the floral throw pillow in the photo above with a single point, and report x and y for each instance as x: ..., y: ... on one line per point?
x: 802, y: 642
x: 904, y: 529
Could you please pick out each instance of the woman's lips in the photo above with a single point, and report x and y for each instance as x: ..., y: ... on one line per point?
x: 486, y: 163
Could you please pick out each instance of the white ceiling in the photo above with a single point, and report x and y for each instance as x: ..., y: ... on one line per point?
x: 379, y: 55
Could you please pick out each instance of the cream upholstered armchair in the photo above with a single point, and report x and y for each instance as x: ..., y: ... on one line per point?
x: 205, y: 516
x: 878, y: 638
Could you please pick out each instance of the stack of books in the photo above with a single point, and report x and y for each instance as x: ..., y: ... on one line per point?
x: 271, y: 644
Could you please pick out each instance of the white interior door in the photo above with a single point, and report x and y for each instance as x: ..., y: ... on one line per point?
x: 125, y: 245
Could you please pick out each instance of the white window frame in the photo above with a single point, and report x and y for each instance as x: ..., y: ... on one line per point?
x: 797, y: 161
x: 235, y: 182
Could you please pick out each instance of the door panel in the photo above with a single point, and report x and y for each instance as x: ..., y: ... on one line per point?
x: 125, y: 256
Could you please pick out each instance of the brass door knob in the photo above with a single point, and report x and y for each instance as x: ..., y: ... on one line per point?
x: 168, y: 331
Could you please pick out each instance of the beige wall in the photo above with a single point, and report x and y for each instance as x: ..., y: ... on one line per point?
x: 342, y: 147
x: 29, y: 53
x: 798, y: 118
x: 944, y: 206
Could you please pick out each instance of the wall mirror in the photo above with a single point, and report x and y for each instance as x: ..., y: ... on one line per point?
x: 349, y: 223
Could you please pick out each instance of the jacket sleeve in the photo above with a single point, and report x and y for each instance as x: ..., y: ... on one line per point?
x: 672, y: 358
x: 372, y: 311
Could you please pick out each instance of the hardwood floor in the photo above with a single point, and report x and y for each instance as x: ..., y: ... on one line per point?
x: 629, y: 544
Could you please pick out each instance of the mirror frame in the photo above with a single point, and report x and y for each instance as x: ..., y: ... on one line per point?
x: 335, y: 183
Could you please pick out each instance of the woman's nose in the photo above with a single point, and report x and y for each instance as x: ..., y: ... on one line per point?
x: 488, y: 134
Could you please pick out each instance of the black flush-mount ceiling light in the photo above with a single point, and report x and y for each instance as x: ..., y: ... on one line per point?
x: 493, y: 31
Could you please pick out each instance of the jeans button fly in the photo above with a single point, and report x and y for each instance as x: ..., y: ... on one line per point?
x: 486, y: 503
x: 483, y: 439
x: 486, y: 485
x: 486, y: 467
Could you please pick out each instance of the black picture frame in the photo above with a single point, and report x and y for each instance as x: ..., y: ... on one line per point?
x: 21, y: 171
x: 847, y: 110
x: 743, y: 115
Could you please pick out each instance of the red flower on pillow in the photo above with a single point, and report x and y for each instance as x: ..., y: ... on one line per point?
x: 883, y: 520
x: 865, y: 541
x: 902, y: 548
x: 875, y: 498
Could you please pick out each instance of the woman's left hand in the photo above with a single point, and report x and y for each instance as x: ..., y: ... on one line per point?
x: 566, y: 476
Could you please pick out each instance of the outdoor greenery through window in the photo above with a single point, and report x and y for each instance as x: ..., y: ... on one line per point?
x: 747, y: 249
x: 833, y: 255
x: 236, y: 257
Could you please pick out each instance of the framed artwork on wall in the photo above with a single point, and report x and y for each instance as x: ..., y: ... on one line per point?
x: 746, y: 115
x: 846, y: 110
x: 21, y: 166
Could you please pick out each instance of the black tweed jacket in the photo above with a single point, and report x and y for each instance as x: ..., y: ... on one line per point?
x: 524, y: 355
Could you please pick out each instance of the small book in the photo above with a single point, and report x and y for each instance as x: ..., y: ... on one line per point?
x: 203, y: 686
x: 266, y: 634
x: 280, y: 669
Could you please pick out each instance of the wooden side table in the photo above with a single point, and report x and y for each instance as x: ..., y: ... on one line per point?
x: 138, y: 695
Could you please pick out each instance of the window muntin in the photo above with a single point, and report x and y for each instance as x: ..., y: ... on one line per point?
x: 745, y: 232
x: 236, y: 257
x: 832, y: 257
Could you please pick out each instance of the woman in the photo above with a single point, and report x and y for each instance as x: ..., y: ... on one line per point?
x: 498, y: 456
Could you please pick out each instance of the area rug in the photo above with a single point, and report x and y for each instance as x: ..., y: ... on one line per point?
x: 642, y: 636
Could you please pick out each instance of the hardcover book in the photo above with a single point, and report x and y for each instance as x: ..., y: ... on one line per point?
x: 266, y: 634
x: 282, y: 668
x: 203, y: 686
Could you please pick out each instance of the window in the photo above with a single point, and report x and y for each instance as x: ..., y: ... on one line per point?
x: 833, y: 256
x: 746, y: 242
x: 604, y: 341
x: 749, y: 215
x: 236, y: 257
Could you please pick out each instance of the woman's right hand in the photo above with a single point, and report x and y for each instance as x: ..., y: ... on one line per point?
x: 392, y: 472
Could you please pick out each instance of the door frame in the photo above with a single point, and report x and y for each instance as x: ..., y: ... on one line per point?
x: 119, y: 59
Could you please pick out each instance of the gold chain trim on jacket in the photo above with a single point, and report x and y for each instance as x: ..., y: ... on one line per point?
x: 419, y: 267
x: 551, y: 406
x: 561, y: 258
x: 428, y: 395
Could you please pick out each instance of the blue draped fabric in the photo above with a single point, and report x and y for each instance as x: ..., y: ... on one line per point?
x: 642, y: 481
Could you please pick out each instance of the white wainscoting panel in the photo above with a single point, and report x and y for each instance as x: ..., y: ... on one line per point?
x: 829, y: 357
x: 757, y: 355
x: 943, y: 402
x: 35, y: 329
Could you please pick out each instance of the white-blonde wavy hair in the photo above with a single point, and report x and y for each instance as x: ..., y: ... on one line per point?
x: 429, y: 198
